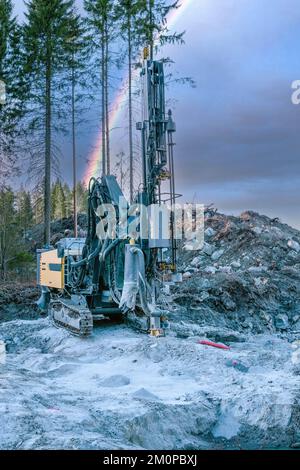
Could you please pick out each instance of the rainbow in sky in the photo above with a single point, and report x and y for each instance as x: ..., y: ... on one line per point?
x: 94, y: 165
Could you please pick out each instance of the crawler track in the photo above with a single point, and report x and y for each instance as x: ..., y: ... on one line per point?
x: 76, y: 319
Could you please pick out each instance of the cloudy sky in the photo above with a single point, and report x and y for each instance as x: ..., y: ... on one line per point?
x: 238, y: 139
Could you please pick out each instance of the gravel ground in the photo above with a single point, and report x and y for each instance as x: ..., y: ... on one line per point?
x: 123, y: 390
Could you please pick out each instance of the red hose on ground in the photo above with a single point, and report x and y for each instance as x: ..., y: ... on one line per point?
x: 214, y: 345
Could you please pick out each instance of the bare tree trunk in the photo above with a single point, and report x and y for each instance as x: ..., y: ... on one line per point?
x: 47, y: 182
x: 103, y: 121
x: 74, y: 152
x: 3, y: 272
x: 2, y: 263
x: 122, y: 176
x: 130, y: 110
x: 151, y: 35
x: 107, y: 100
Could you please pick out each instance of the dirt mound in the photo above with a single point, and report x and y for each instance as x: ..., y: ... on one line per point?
x: 18, y: 300
x: 246, y: 277
x: 58, y: 228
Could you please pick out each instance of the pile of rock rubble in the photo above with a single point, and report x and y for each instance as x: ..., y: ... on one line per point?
x: 245, y: 277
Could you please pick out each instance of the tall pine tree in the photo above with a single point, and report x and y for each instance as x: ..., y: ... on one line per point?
x: 24, y: 211
x: 154, y: 24
x: 59, y: 203
x: 128, y: 13
x: 12, y: 87
x: 78, y: 76
x: 143, y: 23
x: 8, y: 230
x: 47, y: 34
x: 82, y: 194
x: 101, y: 19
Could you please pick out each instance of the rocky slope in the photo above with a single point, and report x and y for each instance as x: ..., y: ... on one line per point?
x: 17, y: 300
x: 246, y: 277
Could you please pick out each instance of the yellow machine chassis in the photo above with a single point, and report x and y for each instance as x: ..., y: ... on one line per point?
x: 52, y: 270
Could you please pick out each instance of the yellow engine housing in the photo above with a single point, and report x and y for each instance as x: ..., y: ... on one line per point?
x: 51, y: 270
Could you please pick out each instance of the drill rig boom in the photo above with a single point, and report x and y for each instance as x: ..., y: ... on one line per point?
x: 107, y: 274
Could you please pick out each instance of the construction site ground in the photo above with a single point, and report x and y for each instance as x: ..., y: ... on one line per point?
x: 121, y: 389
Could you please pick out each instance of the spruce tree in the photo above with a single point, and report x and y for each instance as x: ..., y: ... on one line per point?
x: 13, y: 89
x: 78, y: 75
x: 54, y: 199
x: 38, y: 205
x: 120, y: 170
x: 82, y: 194
x: 24, y: 211
x: 143, y: 24
x: 154, y: 24
x: 8, y: 230
x: 68, y: 197
x: 59, y: 203
x: 47, y: 34
x: 101, y: 20
x: 128, y: 13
